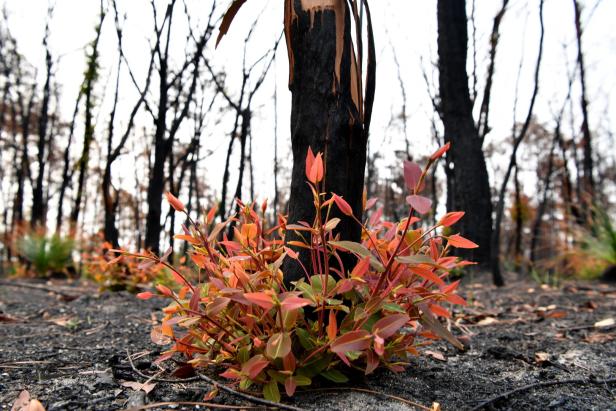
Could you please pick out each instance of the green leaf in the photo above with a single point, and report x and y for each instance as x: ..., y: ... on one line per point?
x: 271, y: 392
x: 302, y: 380
x: 243, y: 355
x: 304, y: 338
x: 278, y: 346
x: 360, y: 250
x: 335, y: 376
x: 430, y: 322
x: 393, y: 307
x: 306, y: 290
x: 415, y: 259
x: 317, y: 285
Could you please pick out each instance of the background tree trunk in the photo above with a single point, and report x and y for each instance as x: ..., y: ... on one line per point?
x: 470, y: 186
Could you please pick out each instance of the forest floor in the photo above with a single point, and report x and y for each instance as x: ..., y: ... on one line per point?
x: 531, y: 347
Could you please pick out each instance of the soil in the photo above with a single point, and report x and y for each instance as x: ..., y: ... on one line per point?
x: 68, y: 346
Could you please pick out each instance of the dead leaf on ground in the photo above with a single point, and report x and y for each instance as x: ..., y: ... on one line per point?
x: 437, y: 355
x: 435, y: 406
x: 608, y: 322
x: 598, y: 338
x: 24, y: 403
x: 541, y: 357
x: 6, y: 318
x: 553, y: 314
x: 137, y: 386
x: 487, y: 321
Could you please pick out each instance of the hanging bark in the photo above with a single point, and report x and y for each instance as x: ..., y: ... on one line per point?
x: 470, y: 187
x: 328, y: 112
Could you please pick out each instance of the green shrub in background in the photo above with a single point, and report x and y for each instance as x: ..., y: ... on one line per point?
x: 46, y: 254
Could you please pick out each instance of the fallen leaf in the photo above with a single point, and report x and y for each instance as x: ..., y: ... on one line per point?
x: 435, y: 406
x: 137, y: 386
x: 6, y: 318
x: 553, y: 314
x: 24, y: 403
x: 598, y: 338
x: 541, y: 357
x: 487, y: 321
x: 608, y: 322
x: 437, y: 355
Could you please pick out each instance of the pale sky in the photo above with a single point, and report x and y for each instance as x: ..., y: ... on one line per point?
x: 406, y: 26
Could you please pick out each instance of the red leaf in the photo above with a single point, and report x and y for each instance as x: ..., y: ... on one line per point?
x: 428, y: 274
x: 174, y: 202
x: 450, y: 219
x: 358, y: 340
x: 211, y: 215
x: 254, y: 366
x: 332, y: 326
x: 440, y: 311
x: 290, y: 385
x: 263, y: 300
x: 458, y: 241
x: 216, y: 306
x: 232, y: 374
x: 388, y: 326
x: 361, y: 268
x: 145, y: 295
x: 309, y: 162
x: 293, y: 303
x: 370, y: 203
x: 164, y: 290
x: 438, y: 153
x: 343, y: 205
x: 372, y: 362
x: 291, y: 253
x: 316, y: 170
x: 412, y: 174
x: 422, y: 204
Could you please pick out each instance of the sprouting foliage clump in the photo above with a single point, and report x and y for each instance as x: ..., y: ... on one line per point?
x: 238, y: 313
x: 44, y: 254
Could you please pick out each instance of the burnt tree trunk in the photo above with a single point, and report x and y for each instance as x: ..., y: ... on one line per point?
x: 470, y: 185
x: 587, y: 160
x: 327, y: 113
x: 38, y: 201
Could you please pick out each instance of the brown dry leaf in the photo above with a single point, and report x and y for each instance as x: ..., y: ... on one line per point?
x: 598, y: 338
x: 137, y: 386
x: 437, y: 355
x: 24, y: 403
x: 590, y: 305
x: 6, y: 318
x: 61, y: 321
x: 487, y: 321
x: 607, y: 322
x: 435, y: 406
x: 541, y: 357
x: 211, y: 394
x: 554, y: 314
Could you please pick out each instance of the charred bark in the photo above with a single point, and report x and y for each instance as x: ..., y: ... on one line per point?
x: 470, y: 185
x: 327, y: 114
